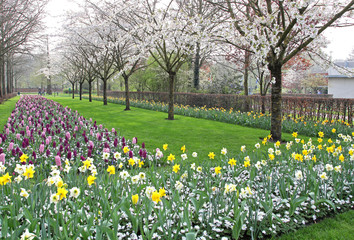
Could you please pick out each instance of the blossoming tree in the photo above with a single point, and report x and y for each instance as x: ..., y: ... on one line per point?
x: 277, y: 31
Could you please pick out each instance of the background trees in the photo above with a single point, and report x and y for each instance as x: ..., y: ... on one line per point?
x: 18, y: 22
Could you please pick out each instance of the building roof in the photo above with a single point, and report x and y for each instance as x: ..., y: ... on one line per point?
x: 334, y: 73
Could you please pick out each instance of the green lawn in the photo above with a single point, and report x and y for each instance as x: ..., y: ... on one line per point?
x: 340, y: 227
x: 5, y: 110
x: 199, y: 135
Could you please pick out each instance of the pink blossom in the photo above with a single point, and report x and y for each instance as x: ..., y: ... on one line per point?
x: 107, y: 150
x: 18, y: 136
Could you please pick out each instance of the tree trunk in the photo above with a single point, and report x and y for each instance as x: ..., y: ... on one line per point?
x: 98, y: 87
x: 196, y: 67
x: 104, y: 92
x: 245, y: 80
x: 126, y: 83
x: 172, y: 77
x: 49, y: 86
x: 73, y: 93
x: 1, y: 74
x: 90, y: 91
x: 76, y: 87
x: 8, y: 76
x: 80, y: 87
x: 276, y: 111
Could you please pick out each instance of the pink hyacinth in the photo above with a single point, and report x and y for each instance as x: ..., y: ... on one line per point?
x: 2, y: 158
x: 113, y: 130
x: 57, y: 161
x: 76, y: 129
x: 98, y: 136
x: 81, y: 123
x: 67, y: 135
x: 101, y: 126
x: 18, y: 136
x: 11, y: 146
x: 0, y: 140
x: 91, y: 144
x: 41, y: 148
x: 7, y: 131
x: 28, y: 133
x: 106, y: 150
x: 135, y: 140
x: 47, y: 141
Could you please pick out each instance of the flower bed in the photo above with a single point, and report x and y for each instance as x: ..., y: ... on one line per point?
x: 50, y: 193
x: 249, y: 119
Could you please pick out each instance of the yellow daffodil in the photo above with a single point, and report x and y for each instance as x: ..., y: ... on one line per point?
x: 91, y: 179
x: 211, y: 155
x: 5, y: 179
x: 111, y: 170
x: 294, y: 134
x: 131, y: 162
x: 333, y: 130
x: 171, y: 157
x: 23, y: 158
x: 28, y: 173
x: 176, y: 167
x: 165, y: 146
x: 183, y: 148
x: 126, y: 149
x: 321, y: 134
x: 271, y: 156
x: 217, y: 170
x: 135, y: 199
x: 62, y: 193
x: 341, y: 158
x: 155, y: 197
x: 232, y: 162
x: 87, y: 163
x: 162, y: 192
x: 141, y: 163
x: 247, y: 163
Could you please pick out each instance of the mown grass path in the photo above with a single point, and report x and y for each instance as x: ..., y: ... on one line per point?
x: 199, y: 135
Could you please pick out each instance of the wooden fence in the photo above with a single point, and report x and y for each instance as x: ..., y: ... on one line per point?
x: 309, y: 108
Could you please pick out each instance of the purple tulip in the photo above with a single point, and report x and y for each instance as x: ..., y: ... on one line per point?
x: 143, y: 145
x: 69, y: 155
x: 131, y: 154
x: 48, y: 152
x: 34, y: 155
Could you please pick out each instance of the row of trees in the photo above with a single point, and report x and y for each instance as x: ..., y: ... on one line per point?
x: 110, y: 39
x: 19, y: 21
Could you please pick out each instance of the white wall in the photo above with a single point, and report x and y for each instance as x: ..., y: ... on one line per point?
x: 341, y: 87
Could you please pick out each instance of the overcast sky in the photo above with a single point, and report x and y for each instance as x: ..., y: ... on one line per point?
x: 341, y: 39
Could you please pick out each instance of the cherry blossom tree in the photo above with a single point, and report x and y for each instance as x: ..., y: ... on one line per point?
x: 169, y: 34
x: 277, y: 31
